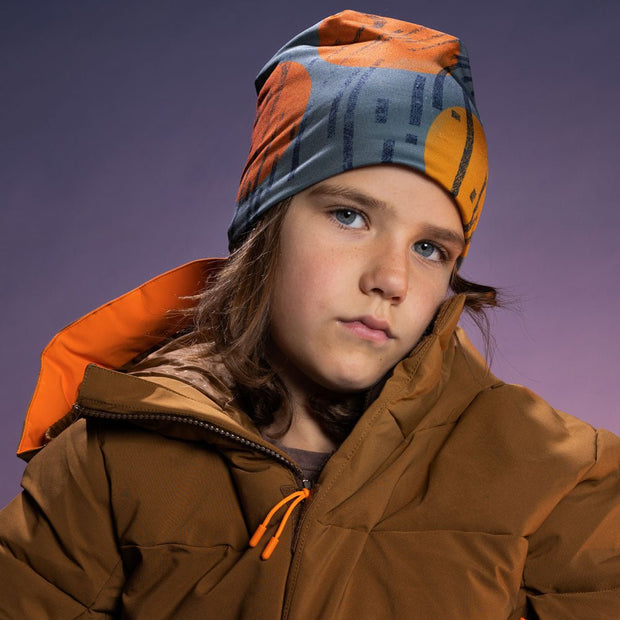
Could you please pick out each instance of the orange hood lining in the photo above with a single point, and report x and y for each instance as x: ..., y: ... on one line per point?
x: 109, y: 336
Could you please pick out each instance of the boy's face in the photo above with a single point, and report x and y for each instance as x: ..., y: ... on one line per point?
x: 365, y: 260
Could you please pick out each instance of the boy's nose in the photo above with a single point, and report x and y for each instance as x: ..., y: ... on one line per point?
x: 387, y: 275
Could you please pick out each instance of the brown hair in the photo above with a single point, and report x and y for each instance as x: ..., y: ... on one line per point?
x: 232, y: 315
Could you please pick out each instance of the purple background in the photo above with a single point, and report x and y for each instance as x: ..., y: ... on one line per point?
x: 125, y: 126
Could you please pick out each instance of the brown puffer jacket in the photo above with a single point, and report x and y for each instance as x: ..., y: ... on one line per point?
x: 455, y: 497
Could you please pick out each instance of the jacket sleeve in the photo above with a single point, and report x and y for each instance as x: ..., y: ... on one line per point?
x: 58, y: 553
x: 573, y: 565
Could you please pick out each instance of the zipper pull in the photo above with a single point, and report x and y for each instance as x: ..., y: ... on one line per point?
x: 294, y: 498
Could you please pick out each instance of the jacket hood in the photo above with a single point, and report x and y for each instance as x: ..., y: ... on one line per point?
x: 109, y: 336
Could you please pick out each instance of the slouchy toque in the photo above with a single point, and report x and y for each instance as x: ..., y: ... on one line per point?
x: 356, y: 90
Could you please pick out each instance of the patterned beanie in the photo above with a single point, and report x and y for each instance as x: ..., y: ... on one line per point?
x: 356, y: 90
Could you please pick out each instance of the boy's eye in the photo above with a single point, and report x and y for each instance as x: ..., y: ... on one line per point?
x: 428, y: 250
x: 349, y: 218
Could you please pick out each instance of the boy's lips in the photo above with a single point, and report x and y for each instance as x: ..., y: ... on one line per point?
x: 369, y: 327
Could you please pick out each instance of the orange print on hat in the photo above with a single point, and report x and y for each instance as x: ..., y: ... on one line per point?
x: 280, y: 109
x: 384, y: 42
x: 456, y: 157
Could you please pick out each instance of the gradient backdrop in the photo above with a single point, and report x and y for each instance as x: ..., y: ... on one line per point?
x: 125, y: 126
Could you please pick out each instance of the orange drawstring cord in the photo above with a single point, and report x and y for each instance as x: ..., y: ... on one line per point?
x: 295, y: 498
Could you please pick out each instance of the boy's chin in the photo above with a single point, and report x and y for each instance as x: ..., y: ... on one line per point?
x: 347, y: 383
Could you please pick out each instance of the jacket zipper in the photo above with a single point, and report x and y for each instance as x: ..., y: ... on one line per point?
x: 185, y: 419
x: 302, y: 515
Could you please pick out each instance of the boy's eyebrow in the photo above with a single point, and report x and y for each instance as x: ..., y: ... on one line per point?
x: 342, y: 191
x: 333, y: 189
x: 446, y: 235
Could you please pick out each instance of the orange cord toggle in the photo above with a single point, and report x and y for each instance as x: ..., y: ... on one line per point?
x: 295, y: 498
